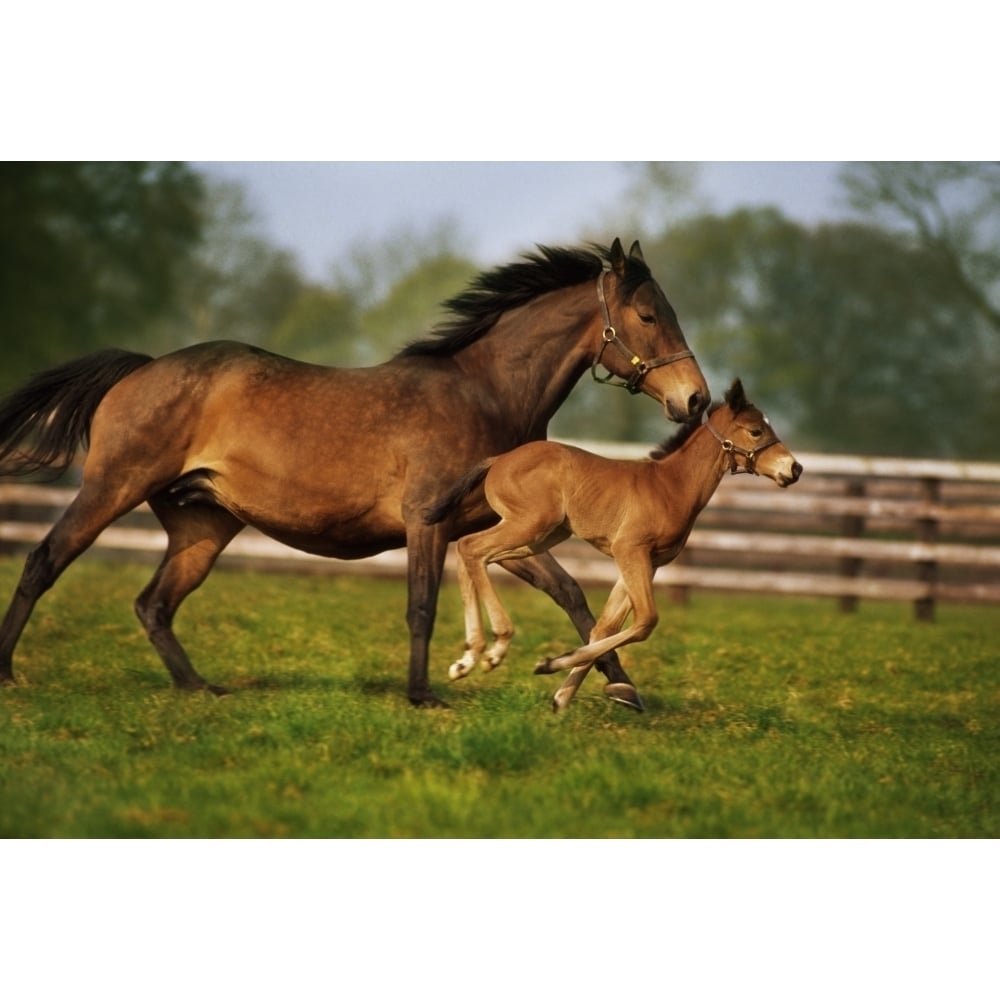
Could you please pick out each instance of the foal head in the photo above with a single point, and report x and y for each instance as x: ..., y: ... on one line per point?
x: 749, y: 441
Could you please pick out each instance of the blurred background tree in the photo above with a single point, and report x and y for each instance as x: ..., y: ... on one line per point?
x: 232, y: 284
x: 398, y: 285
x: 90, y: 255
x: 877, y: 334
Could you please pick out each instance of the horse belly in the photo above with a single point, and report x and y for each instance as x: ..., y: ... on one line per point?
x: 344, y: 521
x: 338, y: 545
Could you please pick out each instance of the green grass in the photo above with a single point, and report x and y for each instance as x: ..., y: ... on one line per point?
x: 765, y: 718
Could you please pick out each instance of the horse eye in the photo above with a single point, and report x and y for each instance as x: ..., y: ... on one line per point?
x: 644, y: 318
x: 756, y: 433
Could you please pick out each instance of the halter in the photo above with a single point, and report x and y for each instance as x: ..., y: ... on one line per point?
x: 609, y: 336
x: 732, y: 450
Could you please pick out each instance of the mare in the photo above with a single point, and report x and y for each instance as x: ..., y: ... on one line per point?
x: 639, y: 513
x: 335, y: 461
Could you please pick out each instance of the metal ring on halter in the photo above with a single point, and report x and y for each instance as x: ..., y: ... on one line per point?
x: 639, y: 367
x: 732, y: 450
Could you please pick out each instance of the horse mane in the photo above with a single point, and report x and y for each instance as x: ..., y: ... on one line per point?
x: 735, y: 399
x: 494, y: 292
x: 672, y: 444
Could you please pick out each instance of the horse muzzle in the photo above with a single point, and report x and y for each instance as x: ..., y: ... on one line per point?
x: 784, y: 480
x: 692, y: 409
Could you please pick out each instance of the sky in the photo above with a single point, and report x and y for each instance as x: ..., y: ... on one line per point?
x: 320, y: 210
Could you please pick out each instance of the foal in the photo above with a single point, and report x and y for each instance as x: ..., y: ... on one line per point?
x: 639, y: 513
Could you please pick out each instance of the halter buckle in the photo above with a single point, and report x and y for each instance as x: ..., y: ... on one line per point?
x: 609, y: 335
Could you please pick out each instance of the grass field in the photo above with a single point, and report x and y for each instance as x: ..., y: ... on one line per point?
x: 765, y: 718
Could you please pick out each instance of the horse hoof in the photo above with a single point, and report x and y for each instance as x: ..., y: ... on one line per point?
x: 217, y: 690
x: 428, y: 701
x: 457, y: 671
x: 625, y: 694
x: 544, y: 666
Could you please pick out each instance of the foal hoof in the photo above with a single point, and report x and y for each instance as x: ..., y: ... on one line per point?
x: 544, y: 666
x: 561, y: 699
x: 624, y: 694
x: 458, y: 670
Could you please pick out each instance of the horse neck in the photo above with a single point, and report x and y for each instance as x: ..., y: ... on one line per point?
x: 535, y: 354
x: 694, y: 471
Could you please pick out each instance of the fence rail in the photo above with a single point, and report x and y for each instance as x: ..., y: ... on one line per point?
x: 853, y: 528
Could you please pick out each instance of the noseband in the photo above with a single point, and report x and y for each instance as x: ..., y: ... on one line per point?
x: 732, y: 450
x: 639, y: 367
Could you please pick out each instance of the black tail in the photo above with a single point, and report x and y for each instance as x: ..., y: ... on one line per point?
x: 440, y: 509
x: 54, y: 409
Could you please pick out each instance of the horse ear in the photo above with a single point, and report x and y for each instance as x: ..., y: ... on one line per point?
x: 736, y: 398
x: 635, y: 252
x: 617, y: 258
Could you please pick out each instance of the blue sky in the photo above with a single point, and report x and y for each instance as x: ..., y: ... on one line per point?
x: 321, y: 210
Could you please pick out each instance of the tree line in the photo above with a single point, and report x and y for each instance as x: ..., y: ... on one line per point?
x: 878, y: 334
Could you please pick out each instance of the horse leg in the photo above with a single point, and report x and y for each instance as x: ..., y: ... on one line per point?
x: 475, y: 641
x: 425, y: 548
x: 85, y: 518
x: 38, y: 575
x: 546, y: 574
x: 637, y: 583
x: 612, y: 619
x: 196, y: 535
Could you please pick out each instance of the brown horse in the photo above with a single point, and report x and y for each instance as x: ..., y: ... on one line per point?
x: 340, y: 462
x: 639, y: 513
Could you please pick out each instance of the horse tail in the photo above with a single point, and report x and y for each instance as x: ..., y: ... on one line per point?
x: 50, y: 415
x: 441, y: 508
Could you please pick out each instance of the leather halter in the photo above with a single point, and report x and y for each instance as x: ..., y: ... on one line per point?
x: 639, y: 367
x: 732, y: 450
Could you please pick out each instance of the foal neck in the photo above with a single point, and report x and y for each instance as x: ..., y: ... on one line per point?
x: 695, y: 469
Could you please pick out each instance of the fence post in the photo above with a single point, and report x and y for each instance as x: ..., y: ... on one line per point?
x: 680, y: 593
x: 851, y: 526
x: 7, y: 513
x: 927, y: 531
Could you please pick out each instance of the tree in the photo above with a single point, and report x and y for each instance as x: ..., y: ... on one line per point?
x: 319, y: 326
x: 235, y: 285
x: 90, y: 254
x: 855, y: 337
x: 399, y: 284
x: 952, y: 210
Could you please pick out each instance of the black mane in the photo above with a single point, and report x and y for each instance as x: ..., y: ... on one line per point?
x: 672, y: 444
x: 495, y: 292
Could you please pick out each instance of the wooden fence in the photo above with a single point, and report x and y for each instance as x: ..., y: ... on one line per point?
x: 853, y: 528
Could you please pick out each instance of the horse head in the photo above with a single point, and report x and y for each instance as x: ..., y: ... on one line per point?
x: 648, y: 351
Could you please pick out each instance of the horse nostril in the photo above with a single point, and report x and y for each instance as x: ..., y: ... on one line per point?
x: 796, y: 470
x: 696, y: 403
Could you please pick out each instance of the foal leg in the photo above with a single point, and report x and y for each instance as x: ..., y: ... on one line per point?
x: 546, y: 574
x: 500, y: 543
x: 474, y: 554
x: 196, y: 535
x: 637, y: 583
x: 475, y: 640
x: 612, y: 620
